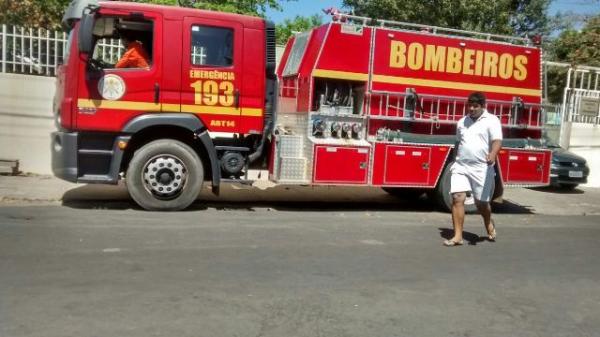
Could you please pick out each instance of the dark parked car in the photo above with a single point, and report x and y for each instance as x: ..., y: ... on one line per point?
x: 568, y: 169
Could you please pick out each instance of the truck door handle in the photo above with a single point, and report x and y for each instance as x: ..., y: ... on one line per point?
x: 236, y: 98
x: 425, y: 166
x: 156, y: 92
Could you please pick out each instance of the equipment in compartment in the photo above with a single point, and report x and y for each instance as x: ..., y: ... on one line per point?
x: 337, y: 127
x: 338, y: 110
x: 338, y: 97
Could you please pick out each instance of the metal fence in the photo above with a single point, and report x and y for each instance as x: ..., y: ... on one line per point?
x: 34, y: 51
x: 38, y: 51
x: 581, y: 96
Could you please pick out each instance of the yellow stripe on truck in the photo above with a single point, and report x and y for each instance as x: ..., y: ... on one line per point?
x: 343, y: 75
x: 156, y: 107
x: 456, y: 85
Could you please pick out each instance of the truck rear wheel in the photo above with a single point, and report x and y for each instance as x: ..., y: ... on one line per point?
x: 442, y: 195
x: 165, y: 175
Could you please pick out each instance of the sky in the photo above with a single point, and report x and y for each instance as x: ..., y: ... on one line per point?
x: 310, y: 7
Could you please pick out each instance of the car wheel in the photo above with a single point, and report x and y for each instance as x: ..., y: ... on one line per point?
x: 165, y: 175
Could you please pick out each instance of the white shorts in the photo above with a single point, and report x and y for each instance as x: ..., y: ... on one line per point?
x: 476, y: 179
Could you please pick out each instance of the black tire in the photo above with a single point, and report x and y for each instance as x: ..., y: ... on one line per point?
x: 442, y: 193
x: 404, y: 192
x: 183, y: 187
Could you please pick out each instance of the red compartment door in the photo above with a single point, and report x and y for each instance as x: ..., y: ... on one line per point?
x: 407, y: 165
x: 524, y: 167
x: 341, y: 165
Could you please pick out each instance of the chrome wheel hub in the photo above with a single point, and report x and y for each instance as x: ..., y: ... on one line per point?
x: 164, y: 176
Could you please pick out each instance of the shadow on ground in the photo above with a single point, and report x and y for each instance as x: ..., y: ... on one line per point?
x: 471, y: 238
x: 558, y: 190
x: 509, y: 207
x: 280, y: 198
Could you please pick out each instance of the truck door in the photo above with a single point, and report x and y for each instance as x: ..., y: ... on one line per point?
x: 211, y: 73
x: 111, y: 91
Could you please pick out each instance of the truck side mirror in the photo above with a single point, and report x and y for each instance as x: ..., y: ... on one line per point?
x: 86, y: 28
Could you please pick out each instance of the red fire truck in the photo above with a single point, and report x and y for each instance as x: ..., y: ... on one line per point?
x: 353, y: 102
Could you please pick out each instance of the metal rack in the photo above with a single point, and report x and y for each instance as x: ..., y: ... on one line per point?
x: 435, y: 30
x: 448, y: 110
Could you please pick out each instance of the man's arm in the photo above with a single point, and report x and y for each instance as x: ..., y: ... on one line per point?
x: 457, y: 140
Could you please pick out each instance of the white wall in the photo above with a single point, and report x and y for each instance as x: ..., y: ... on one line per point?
x: 26, y: 120
x: 584, y: 140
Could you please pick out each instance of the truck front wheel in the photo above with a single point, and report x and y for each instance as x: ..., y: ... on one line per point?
x: 165, y: 175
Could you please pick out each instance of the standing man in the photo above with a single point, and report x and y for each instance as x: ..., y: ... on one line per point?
x: 479, y: 138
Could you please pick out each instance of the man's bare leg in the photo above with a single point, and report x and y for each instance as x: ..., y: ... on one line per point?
x: 486, y: 213
x: 458, y: 215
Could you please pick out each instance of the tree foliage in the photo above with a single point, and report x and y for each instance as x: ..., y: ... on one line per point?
x: 513, y: 17
x: 576, y: 47
x: 33, y: 13
x: 249, y: 7
x: 579, y: 46
x: 48, y: 13
x: 298, y: 24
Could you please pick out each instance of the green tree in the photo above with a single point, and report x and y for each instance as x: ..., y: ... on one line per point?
x: 298, y: 24
x: 513, y: 17
x: 48, y: 13
x: 530, y: 17
x: 579, y: 47
x: 249, y: 7
x: 576, y: 47
x: 33, y: 13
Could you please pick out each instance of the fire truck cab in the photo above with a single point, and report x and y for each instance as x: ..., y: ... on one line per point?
x: 200, y: 109
x: 168, y: 97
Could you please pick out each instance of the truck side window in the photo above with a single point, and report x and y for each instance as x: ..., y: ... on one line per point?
x: 212, y: 46
x: 122, y: 43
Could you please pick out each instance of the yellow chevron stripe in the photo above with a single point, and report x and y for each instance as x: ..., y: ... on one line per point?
x: 198, y: 109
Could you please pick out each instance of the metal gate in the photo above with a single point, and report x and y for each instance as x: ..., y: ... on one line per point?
x: 581, y: 99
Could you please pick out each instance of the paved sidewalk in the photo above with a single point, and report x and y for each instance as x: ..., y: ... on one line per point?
x: 41, y: 189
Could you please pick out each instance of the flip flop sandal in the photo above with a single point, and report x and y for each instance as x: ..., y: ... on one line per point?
x: 452, y: 243
x: 492, y: 235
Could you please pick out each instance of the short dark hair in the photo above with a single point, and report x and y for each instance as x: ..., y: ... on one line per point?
x: 476, y: 98
x: 127, y: 35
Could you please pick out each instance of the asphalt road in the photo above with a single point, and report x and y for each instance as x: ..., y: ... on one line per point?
x: 297, y: 269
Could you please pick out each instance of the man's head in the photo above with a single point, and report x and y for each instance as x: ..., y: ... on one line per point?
x: 476, y: 102
x: 126, y: 36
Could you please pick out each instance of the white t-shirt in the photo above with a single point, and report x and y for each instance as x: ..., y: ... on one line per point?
x: 475, y: 138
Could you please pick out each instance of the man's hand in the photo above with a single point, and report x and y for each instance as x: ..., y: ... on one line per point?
x: 495, y: 148
x: 491, y: 159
